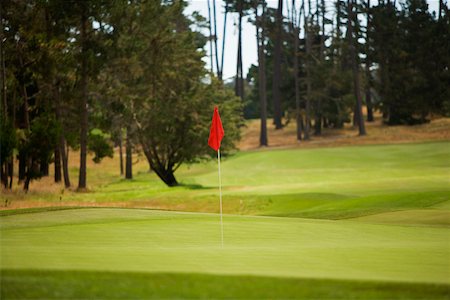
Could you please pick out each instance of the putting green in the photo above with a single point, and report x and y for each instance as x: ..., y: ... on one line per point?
x: 126, y: 240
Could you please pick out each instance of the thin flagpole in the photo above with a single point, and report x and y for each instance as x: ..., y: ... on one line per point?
x: 220, y: 196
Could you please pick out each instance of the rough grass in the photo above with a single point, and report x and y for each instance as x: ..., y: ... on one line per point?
x: 40, y: 284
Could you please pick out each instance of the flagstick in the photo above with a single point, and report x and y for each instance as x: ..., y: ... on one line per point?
x: 220, y: 196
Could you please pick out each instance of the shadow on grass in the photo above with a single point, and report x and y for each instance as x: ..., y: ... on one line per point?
x: 193, y: 186
x: 49, y: 284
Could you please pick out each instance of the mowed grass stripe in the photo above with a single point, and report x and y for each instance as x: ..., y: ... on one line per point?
x: 50, y: 284
x: 147, y: 241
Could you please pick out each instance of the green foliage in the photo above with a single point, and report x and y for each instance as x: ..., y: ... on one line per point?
x: 41, y: 141
x: 159, y: 92
x: 413, y: 67
x: 99, y: 145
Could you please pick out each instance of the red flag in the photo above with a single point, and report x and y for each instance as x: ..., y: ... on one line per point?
x: 216, y: 132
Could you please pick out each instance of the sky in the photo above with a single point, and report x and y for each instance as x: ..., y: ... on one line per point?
x: 249, y: 51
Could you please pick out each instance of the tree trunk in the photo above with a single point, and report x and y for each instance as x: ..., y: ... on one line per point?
x: 30, y: 173
x: 128, y: 158
x: 23, y: 158
x: 120, y: 153
x: 308, y: 78
x: 298, y: 115
x: 22, y: 166
x: 368, y: 64
x: 2, y: 71
x: 276, y: 82
x: 83, y: 103
x: 239, y: 84
x: 355, y: 67
x: 210, y: 37
x: 11, y: 171
x: 57, y: 163
x: 65, y: 160
x: 261, y: 75
x: 43, y: 167
x: 215, y: 40
x: 223, y: 43
x: 164, y: 172
x: 167, y: 176
x: 61, y: 154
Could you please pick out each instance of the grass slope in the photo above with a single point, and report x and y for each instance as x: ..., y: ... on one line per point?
x: 331, y: 183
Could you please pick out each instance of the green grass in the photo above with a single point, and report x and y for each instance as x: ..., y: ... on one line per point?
x: 366, y: 222
x: 331, y: 183
x: 32, y: 284
x: 145, y: 241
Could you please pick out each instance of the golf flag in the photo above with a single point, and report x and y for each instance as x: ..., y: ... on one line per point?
x: 216, y: 132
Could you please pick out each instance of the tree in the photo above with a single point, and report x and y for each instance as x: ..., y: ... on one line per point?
x: 295, y: 30
x: 352, y: 18
x: 260, y: 40
x: 160, y: 89
x: 277, y: 113
x: 368, y: 64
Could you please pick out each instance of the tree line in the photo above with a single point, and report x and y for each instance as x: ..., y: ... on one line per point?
x: 88, y: 75
x: 320, y: 62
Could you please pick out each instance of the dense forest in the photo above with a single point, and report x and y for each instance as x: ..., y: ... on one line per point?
x: 91, y: 75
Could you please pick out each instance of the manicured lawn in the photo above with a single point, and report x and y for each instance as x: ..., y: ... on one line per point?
x: 361, y: 222
x: 144, y: 241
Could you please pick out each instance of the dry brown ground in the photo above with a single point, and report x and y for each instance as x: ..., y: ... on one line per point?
x: 377, y: 133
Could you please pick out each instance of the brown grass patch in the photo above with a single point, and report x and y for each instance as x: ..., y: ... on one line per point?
x: 377, y: 133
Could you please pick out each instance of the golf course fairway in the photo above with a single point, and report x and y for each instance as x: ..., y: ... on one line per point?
x: 182, y: 244
x: 363, y: 222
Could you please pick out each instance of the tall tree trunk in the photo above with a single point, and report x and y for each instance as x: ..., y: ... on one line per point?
x: 57, y: 164
x: 298, y: 114
x: 128, y: 158
x: 62, y: 156
x: 261, y: 75
x: 32, y: 169
x: 2, y: 71
x: 308, y: 77
x: 120, y: 153
x: 210, y: 37
x: 83, y: 102
x: 22, y: 166
x: 11, y: 171
x: 239, y: 84
x: 215, y: 40
x: 43, y: 167
x: 367, y: 69
x: 24, y: 161
x: 4, y: 165
x: 355, y: 66
x: 318, y: 115
x: 223, y: 42
x: 276, y: 82
x: 64, y: 149
x: 296, y: 31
